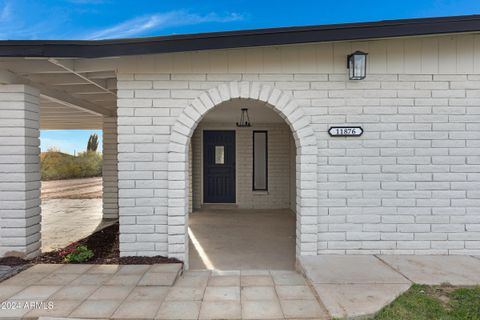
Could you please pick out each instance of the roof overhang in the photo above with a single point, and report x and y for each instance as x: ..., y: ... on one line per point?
x: 237, y: 39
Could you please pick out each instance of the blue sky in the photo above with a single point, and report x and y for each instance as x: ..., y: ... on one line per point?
x: 102, y: 19
x: 95, y: 19
x: 68, y: 141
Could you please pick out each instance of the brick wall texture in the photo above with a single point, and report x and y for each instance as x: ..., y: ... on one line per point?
x: 409, y: 185
x: 110, y: 170
x: 19, y: 171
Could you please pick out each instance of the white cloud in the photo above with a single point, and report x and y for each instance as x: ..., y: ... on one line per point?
x: 138, y: 26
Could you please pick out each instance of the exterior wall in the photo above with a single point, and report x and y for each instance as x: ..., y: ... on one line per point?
x: 110, y: 168
x: 279, y: 159
x: 292, y: 182
x: 19, y: 171
x: 446, y: 54
x: 190, y: 178
x: 408, y: 185
x: 153, y: 162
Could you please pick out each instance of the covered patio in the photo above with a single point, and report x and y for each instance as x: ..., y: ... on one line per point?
x: 52, y: 94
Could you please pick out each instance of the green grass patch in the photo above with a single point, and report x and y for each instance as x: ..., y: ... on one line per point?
x: 444, y: 302
x: 56, y: 165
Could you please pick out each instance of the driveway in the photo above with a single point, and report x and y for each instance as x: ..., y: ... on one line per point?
x: 71, y: 210
x: 67, y: 220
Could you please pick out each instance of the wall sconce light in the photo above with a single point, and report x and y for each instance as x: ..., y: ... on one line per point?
x: 244, y: 119
x: 357, y: 65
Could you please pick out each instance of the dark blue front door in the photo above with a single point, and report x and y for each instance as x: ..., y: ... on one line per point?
x: 219, y: 166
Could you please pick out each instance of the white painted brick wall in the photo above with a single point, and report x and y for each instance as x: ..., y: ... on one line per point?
x: 408, y: 185
x: 19, y: 171
x: 190, y: 176
x: 278, y: 194
x: 110, y: 168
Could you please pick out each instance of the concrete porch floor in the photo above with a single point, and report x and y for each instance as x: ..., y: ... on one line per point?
x: 242, y: 239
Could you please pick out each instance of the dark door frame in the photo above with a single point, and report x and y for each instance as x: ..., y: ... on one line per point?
x: 204, y: 165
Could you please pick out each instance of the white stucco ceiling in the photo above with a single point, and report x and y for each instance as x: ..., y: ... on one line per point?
x: 229, y: 112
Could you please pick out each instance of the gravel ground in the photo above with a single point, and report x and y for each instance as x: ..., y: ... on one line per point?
x: 104, y: 244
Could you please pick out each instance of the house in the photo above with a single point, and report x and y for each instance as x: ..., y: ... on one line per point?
x: 377, y: 155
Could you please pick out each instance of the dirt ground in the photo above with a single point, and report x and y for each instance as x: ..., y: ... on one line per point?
x: 71, y: 210
x: 68, y: 220
x: 87, y: 188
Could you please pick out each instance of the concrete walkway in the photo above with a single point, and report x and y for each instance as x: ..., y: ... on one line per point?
x: 347, y: 286
x: 156, y: 292
x: 360, y: 285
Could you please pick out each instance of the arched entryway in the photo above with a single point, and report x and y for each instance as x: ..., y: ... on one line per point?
x: 305, y: 163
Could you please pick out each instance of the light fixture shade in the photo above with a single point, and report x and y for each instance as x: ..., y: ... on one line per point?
x: 244, y: 119
x: 357, y: 65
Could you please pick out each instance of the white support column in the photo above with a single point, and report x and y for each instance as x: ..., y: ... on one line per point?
x: 19, y: 171
x: 110, y: 168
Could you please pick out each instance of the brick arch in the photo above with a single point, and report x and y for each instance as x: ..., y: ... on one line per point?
x: 306, y: 167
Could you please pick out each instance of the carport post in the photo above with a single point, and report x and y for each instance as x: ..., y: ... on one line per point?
x: 19, y: 171
x: 110, y: 168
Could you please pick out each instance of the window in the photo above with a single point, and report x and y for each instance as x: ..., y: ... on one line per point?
x: 219, y: 154
x: 260, y: 161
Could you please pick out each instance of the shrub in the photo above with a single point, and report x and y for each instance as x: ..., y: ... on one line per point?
x: 56, y: 165
x: 75, y: 253
x: 90, y: 164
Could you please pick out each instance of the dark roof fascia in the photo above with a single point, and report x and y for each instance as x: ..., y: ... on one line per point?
x: 239, y: 39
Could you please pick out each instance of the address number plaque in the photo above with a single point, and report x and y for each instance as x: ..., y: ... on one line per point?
x: 345, y: 131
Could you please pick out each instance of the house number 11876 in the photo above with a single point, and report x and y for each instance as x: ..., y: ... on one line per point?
x: 345, y: 131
